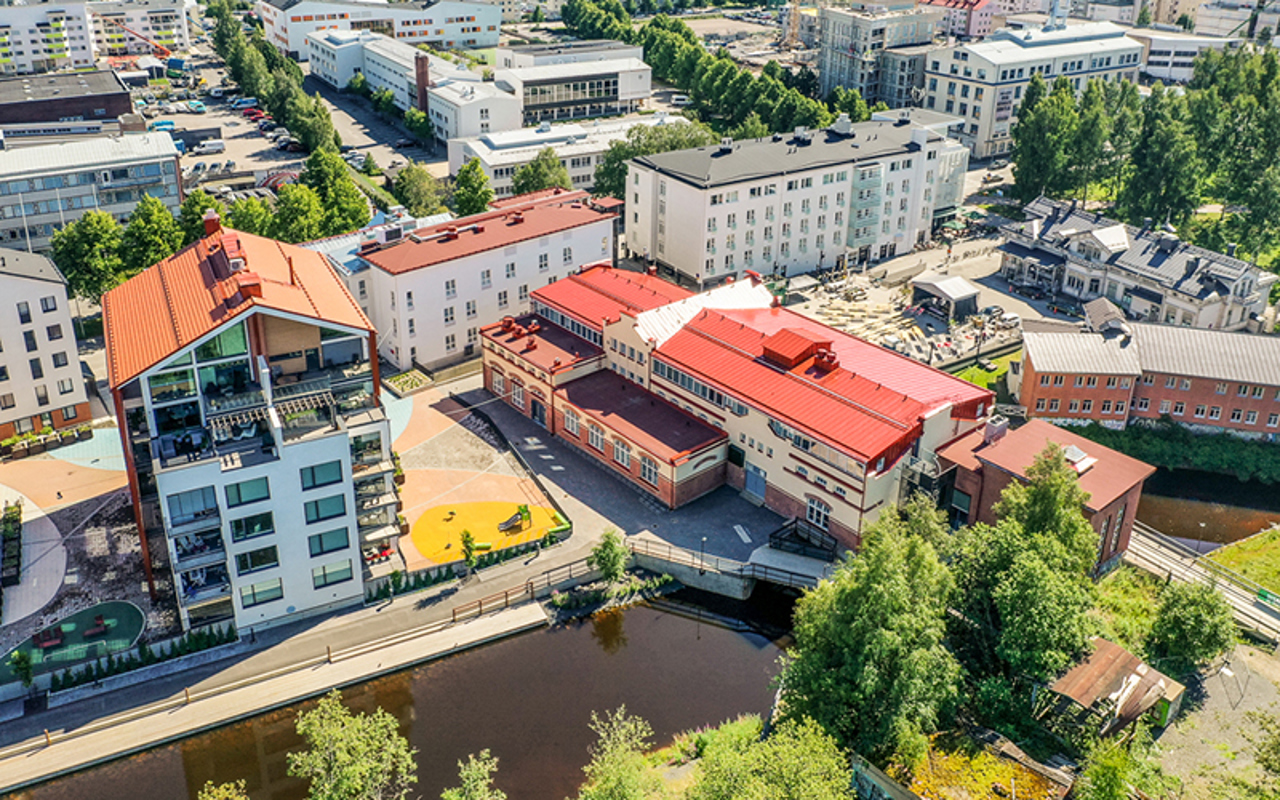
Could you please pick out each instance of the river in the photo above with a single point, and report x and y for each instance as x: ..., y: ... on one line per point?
x: 1206, y: 509
x: 528, y: 699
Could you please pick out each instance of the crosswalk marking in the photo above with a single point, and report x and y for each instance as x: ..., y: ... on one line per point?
x: 742, y: 534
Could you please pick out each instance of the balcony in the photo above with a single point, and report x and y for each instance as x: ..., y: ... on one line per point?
x: 367, y: 503
x: 207, y: 519
x: 199, y: 550
x: 204, y: 584
x: 230, y: 401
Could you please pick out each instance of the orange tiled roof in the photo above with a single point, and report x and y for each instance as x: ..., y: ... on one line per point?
x: 166, y: 307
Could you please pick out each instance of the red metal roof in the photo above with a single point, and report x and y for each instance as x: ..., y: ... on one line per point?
x: 600, y: 293
x: 166, y: 307
x: 553, y: 348
x: 534, y: 197
x: 531, y: 218
x: 639, y: 416
x: 789, y: 346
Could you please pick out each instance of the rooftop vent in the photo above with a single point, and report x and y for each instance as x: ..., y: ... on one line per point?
x: 843, y: 125
x: 726, y: 144
x: 544, y: 127
x: 995, y: 429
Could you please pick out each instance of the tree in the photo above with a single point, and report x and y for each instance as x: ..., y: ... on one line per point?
x: 384, y: 101
x: 545, y: 171
x: 1042, y: 139
x: 849, y: 101
x: 538, y: 15
x: 476, y: 774
x: 419, y: 125
x: 1186, y: 22
x: 644, y: 140
x: 1144, y: 17
x: 345, y: 207
x: 617, y: 770
x: 1088, y: 148
x: 22, y: 668
x: 799, y: 761
x: 151, y: 236
x: 352, y: 756
x: 468, y: 549
x: 358, y: 84
x: 751, y: 128
x: 419, y: 191
x: 868, y: 662
x: 223, y: 791
x: 88, y: 253
x: 1193, y: 624
x: 299, y: 214
x: 191, y: 214
x: 1044, y: 618
x: 1164, y: 182
x: 610, y: 556
x: 1114, y: 768
x: 471, y: 192
x: 250, y: 215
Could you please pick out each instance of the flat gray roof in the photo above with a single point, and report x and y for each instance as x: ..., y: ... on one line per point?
x: 601, y: 46
x: 22, y: 264
x: 747, y: 160
x: 59, y: 84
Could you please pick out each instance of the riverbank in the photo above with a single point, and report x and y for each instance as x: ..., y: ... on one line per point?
x: 178, y: 717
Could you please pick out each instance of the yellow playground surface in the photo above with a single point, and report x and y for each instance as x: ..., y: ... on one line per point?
x: 437, y: 535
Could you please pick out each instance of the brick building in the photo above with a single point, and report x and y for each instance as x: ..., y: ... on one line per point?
x: 682, y: 393
x: 1210, y: 381
x: 979, y: 465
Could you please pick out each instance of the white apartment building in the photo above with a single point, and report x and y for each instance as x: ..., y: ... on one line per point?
x: 1169, y: 56
x: 578, y: 89
x: 162, y: 21
x: 580, y: 146
x: 253, y: 433
x: 40, y: 381
x: 467, y: 108
x: 855, y: 40
x: 45, y: 37
x: 791, y: 204
x: 446, y: 24
x: 541, y: 55
x: 1231, y: 18
x: 48, y: 186
x: 430, y: 290
x: 983, y: 82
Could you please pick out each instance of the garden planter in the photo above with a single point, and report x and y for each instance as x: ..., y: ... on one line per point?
x: 6, y: 449
x: 404, y: 528
x: 399, y: 479
x: 21, y: 450
x: 36, y: 446
x: 51, y: 442
x: 69, y: 437
x: 84, y: 433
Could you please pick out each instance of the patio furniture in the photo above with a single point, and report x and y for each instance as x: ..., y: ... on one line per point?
x: 51, y: 637
x: 99, y: 627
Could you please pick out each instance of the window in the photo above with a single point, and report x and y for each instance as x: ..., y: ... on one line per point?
x: 511, y: 270
x: 69, y: 413
x: 818, y: 513
x: 413, y: 328
x: 1179, y: 409
x: 260, y: 593
x: 1164, y: 406
x: 450, y: 342
x: 1221, y: 388
x: 499, y: 384
x: 1111, y: 382
x: 29, y: 337
x: 328, y: 542
x: 54, y: 332
x: 1215, y: 412
x: 595, y: 437
x: 568, y: 255
x: 66, y: 386
x: 325, y: 508
x: 523, y: 292
x: 1106, y: 406
x: 1086, y: 406
x: 1040, y: 404
x: 448, y: 315
x: 408, y: 300
x: 1237, y: 414
x: 517, y: 395
x: 543, y: 262
x: 1059, y: 380
x: 502, y: 299
x: 1200, y: 412
x: 622, y: 453
x: 191, y: 505
x: 6, y: 401
x: 648, y: 470
x: 254, y: 560
x: 48, y: 304
x: 321, y: 474
x: 1251, y: 418
x: 252, y: 526
x: 59, y: 360
x: 239, y: 494
x: 471, y: 309
x: 1044, y: 380
x: 24, y: 313
x: 571, y: 421
x: 450, y: 289
x: 329, y: 574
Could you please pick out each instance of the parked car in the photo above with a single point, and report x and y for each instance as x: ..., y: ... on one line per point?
x: 992, y: 311
x: 215, y: 167
x: 266, y: 126
x: 402, y: 143
x: 199, y: 167
x: 196, y: 107
x: 1066, y: 309
x: 252, y: 114
x: 346, y: 148
x: 992, y: 177
x: 230, y: 166
x: 1009, y: 320
x: 295, y: 146
x: 1000, y: 163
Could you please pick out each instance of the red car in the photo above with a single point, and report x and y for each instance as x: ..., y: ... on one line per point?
x: 253, y: 114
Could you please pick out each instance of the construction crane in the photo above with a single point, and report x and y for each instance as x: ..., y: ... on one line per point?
x: 158, y: 50
x: 792, y: 39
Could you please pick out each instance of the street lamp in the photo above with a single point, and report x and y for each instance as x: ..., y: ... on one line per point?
x: 702, y: 557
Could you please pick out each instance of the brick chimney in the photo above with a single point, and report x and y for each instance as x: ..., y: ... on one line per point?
x: 212, y: 222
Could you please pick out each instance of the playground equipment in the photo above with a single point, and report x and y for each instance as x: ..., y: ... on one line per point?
x: 517, y: 520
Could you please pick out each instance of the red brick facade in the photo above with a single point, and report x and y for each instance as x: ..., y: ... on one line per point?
x: 59, y: 421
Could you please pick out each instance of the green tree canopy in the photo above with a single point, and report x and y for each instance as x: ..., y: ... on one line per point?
x: 868, y: 662
x: 471, y: 192
x: 617, y: 770
x: 544, y: 172
x: 1164, y: 178
x: 345, y: 207
x: 191, y: 214
x: 87, y: 252
x: 358, y: 84
x: 751, y: 128
x: 476, y: 774
x: 151, y: 236
x: 1042, y: 137
x: 299, y: 216
x: 610, y: 556
x: 644, y: 140
x: 418, y: 190
x: 352, y: 756
x: 1193, y: 624
x: 250, y: 215
x: 798, y: 761
x: 1043, y: 615
x: 223, y: 791
x: 419, y: 124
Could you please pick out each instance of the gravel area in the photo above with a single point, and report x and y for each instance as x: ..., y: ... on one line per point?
x: 469, y: 445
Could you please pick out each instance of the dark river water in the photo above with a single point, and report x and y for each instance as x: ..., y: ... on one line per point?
x: 1208, y: 508
x: 528, y: 699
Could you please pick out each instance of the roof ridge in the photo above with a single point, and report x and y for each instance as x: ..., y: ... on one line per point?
x: 168, y: 295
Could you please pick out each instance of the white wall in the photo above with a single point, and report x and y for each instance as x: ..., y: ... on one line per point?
x: 456, y: 114
x: 18, y: 384
x: 476, y: 24
x: 23, y: 35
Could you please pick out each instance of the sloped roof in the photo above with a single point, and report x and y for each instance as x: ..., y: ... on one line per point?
x: 600, y: 294
x: 1217, y: 355
x: 659, y: 324
x: 170, y: 305
x: 1080, y: 352
x: 21, y: 264
x: 1112, y: 672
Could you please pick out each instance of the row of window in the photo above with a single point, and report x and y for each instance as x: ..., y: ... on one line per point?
x: 696, y: 387
x: 621, y: 450
x: 267, y: 591
x: 568, y: 323
x: 1087, y: 381
x: 1149, y: 379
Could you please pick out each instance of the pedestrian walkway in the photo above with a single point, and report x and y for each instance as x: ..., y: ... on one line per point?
x: 44, y: 561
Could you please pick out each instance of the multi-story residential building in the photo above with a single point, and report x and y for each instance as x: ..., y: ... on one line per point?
x: 163, y: 22
x: 793, y: 204
x: 40, y: 381
x: 979, y: 465
x: 1169, y: 56
x: 1124, y: 12
x: 446, y: 24
x: 541, y: 55
x: 44, y: 37
x: 48, y: 186
x: 969, y: 19
x: 984, y: 81
x: 243, y: 376
x: 581, y: 148
x: 1209, y: 381
x: 466, y: 108
x: 856, y: 38
x: 1149, y: 272
x: 90, y: 96
x: 512, y: 10
x: 578, y: 89
x: 429, y: 291
x: 1231, y: 17
x: 680, y: 393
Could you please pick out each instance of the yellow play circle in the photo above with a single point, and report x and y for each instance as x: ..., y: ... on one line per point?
x: 437, y: 534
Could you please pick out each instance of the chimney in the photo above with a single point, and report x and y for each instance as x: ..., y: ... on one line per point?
x: 1231, y: 251
x: 249, y: 284
x: 843, y: 125
x: 995, y: 430
x: 726, y: 144
x: 1146, y: 224
x: 212, y: 222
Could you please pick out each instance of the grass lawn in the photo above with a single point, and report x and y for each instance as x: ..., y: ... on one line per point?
x: 1257, y: 558
x: 987, y: 380
x: 1127, y: 600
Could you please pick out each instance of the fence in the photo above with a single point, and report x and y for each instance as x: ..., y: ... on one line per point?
x: 724, y: 566
x: 1214, y: 569
x: 532, y: 589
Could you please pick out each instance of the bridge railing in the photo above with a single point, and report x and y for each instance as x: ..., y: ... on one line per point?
x: 724, y: 566
x: 1224, y: 574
